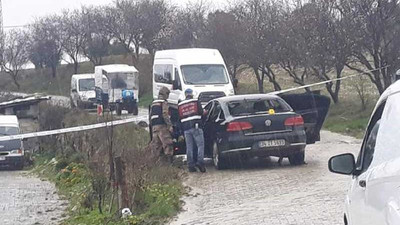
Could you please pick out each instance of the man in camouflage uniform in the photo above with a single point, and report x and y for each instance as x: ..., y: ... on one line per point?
x: 161, y: 125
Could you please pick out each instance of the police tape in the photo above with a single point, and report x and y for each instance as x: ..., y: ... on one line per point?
x: 73, y: 129
x: 325, y: 82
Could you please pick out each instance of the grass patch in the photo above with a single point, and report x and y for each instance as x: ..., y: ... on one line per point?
x: 145, y: 100
x: 347, y: 118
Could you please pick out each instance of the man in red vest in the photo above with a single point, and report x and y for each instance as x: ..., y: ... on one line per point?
x: 190, y: 115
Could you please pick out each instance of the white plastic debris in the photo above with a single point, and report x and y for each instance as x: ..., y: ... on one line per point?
x: 126, y: 212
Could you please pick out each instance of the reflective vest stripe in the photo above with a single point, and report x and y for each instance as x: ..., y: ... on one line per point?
x: 187, y: 101
x: 158, y: 101
x: 154, y: 117
x: 196, y: 117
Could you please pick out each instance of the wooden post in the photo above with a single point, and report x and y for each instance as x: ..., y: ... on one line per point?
x: 123, y: 198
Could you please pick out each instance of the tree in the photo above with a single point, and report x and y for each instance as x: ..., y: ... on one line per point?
x: 327, y: 49
x: 46, y: 42
x: 260, y: 18
x: 15, y: 54
x: 97, y: 38
x: 187, y: 25
x: 73, y: 35
x: 375, y: 31
x: 153, y: 23
x: 225, y: 34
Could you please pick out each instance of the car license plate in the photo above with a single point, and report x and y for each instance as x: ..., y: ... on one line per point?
x: 271, y: 143
x: 2, y: 158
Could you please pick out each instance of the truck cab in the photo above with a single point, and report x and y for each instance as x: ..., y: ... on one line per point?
x: 82, y: 91
x: 11, y: 152
x: 202, y: 70
x: 119, y: 84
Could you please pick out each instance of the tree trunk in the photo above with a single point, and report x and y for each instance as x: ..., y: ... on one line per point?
x: 76, y: 66
x: 14, y: 77
x: 53, y: 71
x: 260, y: 80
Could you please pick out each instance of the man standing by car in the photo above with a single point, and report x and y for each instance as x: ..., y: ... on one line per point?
x: 161, y: 125
x: 190, y: 115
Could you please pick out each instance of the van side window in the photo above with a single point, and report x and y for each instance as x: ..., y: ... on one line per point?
x: 368, y: 147
x: 163, y: 73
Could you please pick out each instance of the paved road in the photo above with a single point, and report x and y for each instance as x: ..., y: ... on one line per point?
x: 262, y: 192
x: 26, y: 200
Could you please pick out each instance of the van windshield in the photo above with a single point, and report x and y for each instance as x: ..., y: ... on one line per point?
x: 204, y: 74
x: 86, y: 84
x: 5, y: 131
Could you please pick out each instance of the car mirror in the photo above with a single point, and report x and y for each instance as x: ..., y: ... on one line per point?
x: 342, y: 164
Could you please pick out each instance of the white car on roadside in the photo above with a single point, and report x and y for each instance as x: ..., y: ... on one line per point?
x: 374, y: 194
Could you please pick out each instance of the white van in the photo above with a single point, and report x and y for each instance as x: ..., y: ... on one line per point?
x: 11, y: 152
x: 202, y: 70
x: 374, y: 194
x: 82, y: 91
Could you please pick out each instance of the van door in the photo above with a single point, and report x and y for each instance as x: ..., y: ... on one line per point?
x: 382, y: 197
x: 358, y: 203
x: 176, y: 89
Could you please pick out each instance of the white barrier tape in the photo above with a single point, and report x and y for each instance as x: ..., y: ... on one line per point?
x: 323, y: 82
x: 73, y: 129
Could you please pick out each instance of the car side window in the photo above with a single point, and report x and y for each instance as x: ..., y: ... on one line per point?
x: 208, y: 110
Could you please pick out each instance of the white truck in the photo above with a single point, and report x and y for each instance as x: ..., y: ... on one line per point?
x: 202, y: 70
x: 117, y: 86
x: 82, y: 92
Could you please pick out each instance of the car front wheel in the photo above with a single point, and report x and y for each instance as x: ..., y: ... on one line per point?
x: 297, y: 159
x: 219, y: 162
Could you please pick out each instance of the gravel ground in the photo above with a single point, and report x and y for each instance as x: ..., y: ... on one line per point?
x: 28, y: 200
x: 262, y: 192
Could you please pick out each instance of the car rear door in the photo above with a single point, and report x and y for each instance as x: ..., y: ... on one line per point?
x: 313, y: 108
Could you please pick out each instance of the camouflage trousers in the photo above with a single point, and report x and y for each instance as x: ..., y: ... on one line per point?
x: 162, y: 140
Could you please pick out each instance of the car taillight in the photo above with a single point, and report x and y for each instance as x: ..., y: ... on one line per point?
x: 294, y: 121
x: 238, y: 126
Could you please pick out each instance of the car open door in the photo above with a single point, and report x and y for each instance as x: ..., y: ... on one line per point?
x: 313, y: 108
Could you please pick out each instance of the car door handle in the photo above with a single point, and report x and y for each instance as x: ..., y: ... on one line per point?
x: 362, y: 183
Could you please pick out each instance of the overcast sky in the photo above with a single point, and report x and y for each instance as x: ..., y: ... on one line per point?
x: 21, y: 12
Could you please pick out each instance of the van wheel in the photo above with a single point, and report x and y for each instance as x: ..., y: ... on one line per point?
x: 19, y: 166
x: 297, y: 159
x: 118, y: 109
x: 219, y: 162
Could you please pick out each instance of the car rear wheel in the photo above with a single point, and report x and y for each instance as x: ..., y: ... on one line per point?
x: 297, y: 159
x: 219, y: 162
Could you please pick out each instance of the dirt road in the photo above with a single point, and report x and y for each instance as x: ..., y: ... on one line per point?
x: 26, y: 200
x: 263, y: 192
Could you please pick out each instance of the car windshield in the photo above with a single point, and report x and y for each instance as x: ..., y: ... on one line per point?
x: 86, y: 84
x: 4, y: 130
x: 204, y: 74
x: 257, y: 106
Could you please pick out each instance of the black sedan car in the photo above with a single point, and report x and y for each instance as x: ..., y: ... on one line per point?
x: 253, y: 125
